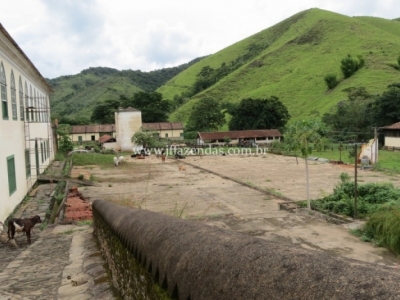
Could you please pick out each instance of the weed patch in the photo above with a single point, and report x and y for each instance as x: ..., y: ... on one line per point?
x: 85, y: 222
x: 383, y: 228
x: 372, y: 197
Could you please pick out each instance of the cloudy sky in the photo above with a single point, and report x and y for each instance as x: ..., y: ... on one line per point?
x: 63, y: 37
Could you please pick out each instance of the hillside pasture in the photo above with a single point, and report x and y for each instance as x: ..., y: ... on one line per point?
x: 302, y: 50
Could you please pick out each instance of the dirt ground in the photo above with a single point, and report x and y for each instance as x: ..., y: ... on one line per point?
x: 182, y: 190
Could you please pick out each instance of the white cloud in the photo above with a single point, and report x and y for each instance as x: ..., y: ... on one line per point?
x: 65, y: 37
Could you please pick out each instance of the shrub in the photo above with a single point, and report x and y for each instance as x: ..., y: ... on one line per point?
x: 361, y: 61
x: 398, y: 60
x: 59, y: 156
x: 372, y: 197
x: 331, y: 81
x: 190, y: 135
x: 227, y: 140
x: 350, y: 65
x: 277, y: 147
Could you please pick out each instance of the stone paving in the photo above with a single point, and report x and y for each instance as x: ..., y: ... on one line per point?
x: 63, y: 261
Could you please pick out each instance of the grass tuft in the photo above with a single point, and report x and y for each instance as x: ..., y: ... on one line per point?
x: 384, y: 228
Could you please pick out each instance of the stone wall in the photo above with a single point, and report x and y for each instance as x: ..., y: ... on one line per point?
x: 154, y: 256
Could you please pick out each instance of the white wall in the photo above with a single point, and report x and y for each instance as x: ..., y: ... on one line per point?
x: 370, y: 150
x: 13, y: 133
x: 113, y: 145
x: 392, y: 141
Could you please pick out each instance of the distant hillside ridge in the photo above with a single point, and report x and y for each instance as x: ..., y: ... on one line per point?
x: 77, y: 95
x: 296, y: 55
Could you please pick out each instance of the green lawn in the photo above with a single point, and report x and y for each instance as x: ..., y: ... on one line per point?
x: 386, y: 159
x: 389, y: 160
x: 82, y: 159
x: 335, y: 154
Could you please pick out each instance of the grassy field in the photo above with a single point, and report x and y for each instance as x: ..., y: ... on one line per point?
x: 389, y: 160
x: 386, y: 159
x: 302, y: 50
x: 83, y: 159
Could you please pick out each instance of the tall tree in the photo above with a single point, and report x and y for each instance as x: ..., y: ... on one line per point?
x: 104, y: 112
x: 352, y: 119
x: 259, y: 114
x: 152, y: 106
x: 206, y: 115
x: 145, y: 138
x: 299, y: 136
x: 386, y: 107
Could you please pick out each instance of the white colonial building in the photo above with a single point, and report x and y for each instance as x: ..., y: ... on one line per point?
x: 26, y: 143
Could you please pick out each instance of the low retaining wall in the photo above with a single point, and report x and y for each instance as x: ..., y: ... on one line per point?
x: 149, y: 253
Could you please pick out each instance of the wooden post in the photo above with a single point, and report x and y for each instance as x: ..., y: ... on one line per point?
x: 355, y: 181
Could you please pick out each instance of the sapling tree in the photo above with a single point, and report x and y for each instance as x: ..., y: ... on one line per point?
x: 299, y: 137
x: 145, y: 138
x: 64, y: 141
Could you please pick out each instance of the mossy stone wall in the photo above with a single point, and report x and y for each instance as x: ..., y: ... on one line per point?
x: 189, y: 260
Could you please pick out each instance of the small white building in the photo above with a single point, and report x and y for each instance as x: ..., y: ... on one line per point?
x: 392, y: 135
x: 26, y: 135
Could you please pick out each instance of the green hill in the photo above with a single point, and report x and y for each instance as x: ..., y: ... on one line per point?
x: 77, y: 95
x: 292, y: 59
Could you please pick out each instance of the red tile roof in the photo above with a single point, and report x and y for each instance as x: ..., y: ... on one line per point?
x: 93, y: 128
x: 105, y: 138
x: 393, y: 126
x: 163, y: 126
x: 240, y: 134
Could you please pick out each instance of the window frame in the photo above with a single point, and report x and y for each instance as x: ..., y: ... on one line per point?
x: 3, y: 92
x: 21, y: 100
x: 14, y: 110
x: 26, y: 101
x: 10, y: 186
x: 31, y: 104
x: 27, y: 163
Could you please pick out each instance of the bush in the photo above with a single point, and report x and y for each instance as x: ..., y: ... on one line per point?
x: 372, y: 197
x: 398, y: 60
x: 361, y: 61
x: 384, y: 228
x: 331, y: 81
x: 59, y: 156
x: 93, y: 145
x: 108, y: 151
x: 190, y: 135
x: 350, y: 65
x: 277, y: 147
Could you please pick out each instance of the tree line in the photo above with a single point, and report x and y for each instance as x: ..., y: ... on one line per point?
x: 151, y: 105
x: 354, y: 117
